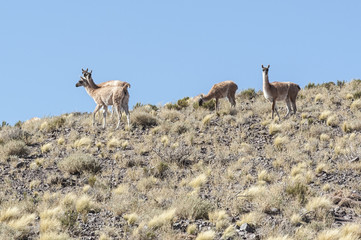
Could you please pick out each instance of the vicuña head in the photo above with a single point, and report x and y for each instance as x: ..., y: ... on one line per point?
x: 279, y: 91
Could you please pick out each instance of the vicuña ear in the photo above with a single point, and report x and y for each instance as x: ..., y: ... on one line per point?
x: 262, y: 66
x: 268, y: 66
x: 91, y: 71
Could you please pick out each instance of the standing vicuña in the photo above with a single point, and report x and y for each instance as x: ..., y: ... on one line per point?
x: 221, y: 90
x: 106, y: 96
x: 280, y: 91
x: 111, y: 83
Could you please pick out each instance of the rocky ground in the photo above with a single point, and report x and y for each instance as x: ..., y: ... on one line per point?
x: 236, y: 151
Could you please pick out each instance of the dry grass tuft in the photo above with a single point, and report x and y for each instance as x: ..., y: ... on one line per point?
x: 280, y: 238
x: 46, y: 147
x: 324, y: 115
x: 191, y: 229
x: 54, y: 236
x: 131, y: 218
x: 319, y: 205
x: 84, y: 204
x: 265, y: 176
x: 162, y: 219
x: 274, y: 128
x: 9, y: 214
x: 356, y: 105
x: 350, y: 126
x: 198, y: 181
x: 207, y: 119
x: 83, y: 142
x: 280, y: 142
x: 207, y: 235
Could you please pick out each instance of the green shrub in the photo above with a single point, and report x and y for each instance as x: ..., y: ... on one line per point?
x: 328, y: 85
x: 138, y: 105
x: 341, y: 83
x: 210, y: 105
x: 181, y: 103
x: 310, y: 85
x: 3, y: 124
x: 79, y: 163
x: 248, y: 94
x: 357, y: 95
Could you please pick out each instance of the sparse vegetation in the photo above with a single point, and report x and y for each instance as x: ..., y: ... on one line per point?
x: 184, y: 172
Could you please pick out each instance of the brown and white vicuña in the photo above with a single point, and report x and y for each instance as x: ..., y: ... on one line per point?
x: 107, y: 95
x: 221, y: 90
x: 280, y: 91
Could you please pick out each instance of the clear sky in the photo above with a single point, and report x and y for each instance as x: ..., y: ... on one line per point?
x: 167, y: 49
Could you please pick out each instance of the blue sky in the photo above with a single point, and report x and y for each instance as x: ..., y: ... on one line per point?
x: 167, y: 49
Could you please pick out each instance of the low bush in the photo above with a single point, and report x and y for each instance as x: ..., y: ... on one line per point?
x: 14, y: 148
x: 181, y: 103
x: 79, y: 163
x: 248, y: 93
x: 144, y: 119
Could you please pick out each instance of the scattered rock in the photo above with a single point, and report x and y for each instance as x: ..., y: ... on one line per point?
x: 272, y: 211
x: 20, y: 164
x: 246, y: 227
x: 356, y: 159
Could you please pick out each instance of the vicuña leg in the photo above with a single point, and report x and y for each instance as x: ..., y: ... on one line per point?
x: 294, y: 107
x: 293, y: 101
x: 126, y: 110
x: 94, y: 113
x: 105, y: 116
x: 274, y: 108
x: 119, y: 113
x: 288, y: 102
x: 231, y: 100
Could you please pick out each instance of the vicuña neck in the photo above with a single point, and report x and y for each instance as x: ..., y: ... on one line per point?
x: 92, y: 84
x: 265, y: 79
x: 89, y: 90
x: 207, y: 97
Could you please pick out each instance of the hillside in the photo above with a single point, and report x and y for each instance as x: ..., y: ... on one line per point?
x: 184, y: 172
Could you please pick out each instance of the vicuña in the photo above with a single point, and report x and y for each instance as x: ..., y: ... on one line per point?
x: 221, y: 90
x: 116, y: 96
x: 280, y: 91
